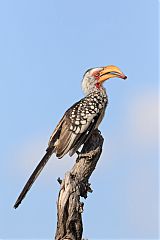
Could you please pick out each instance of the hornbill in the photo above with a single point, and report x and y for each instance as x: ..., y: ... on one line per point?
x: 79, y: 121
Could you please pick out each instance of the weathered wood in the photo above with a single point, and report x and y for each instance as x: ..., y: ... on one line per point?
x: 76, y: 185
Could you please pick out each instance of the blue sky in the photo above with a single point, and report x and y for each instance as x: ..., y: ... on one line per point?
x: 45, y: 47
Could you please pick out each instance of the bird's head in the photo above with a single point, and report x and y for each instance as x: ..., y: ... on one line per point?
x: 94, y: 77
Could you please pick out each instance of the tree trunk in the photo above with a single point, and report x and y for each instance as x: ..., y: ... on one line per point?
x: 76, y: 185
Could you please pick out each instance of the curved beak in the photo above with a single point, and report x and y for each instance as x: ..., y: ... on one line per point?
x: 110, y: 72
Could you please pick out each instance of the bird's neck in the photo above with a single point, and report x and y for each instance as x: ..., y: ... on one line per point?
x: 89, y: 87
x: 96, y: 89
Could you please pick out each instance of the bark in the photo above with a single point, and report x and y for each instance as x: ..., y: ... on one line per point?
x: 76, y: 185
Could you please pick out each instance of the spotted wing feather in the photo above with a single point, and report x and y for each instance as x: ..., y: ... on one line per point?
x: 78, y: 123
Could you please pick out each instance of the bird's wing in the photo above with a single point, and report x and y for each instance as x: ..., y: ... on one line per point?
x: 77, y: 125
x: 83, y: 137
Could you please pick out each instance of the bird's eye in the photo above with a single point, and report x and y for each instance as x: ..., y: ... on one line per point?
x: 96, y: 74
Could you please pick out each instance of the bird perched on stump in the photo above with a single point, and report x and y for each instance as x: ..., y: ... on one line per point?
x: 79, y: 121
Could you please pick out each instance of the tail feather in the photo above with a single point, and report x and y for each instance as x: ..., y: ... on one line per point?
x: 34, y: 176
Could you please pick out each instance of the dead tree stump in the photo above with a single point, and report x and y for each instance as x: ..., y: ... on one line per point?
x: 76, y: 185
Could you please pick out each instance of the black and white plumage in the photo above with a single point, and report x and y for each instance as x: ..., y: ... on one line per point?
x: 79, y: 121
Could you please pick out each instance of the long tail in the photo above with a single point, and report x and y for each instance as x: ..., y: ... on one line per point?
x: 34, y: 176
